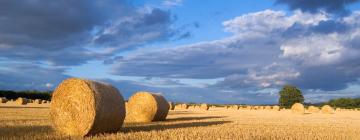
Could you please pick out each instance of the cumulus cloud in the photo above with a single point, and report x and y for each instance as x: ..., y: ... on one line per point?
x: 313, y: 6
x: 289, y: 49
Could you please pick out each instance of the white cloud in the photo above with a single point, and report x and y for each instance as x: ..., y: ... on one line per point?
x: 315, y: 49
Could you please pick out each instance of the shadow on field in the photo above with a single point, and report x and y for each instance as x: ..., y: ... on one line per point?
x: 162, y: 127
x: 194, y: 118
x: 11, y: 131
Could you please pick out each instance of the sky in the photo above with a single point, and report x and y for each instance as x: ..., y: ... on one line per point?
x: 230, y: 51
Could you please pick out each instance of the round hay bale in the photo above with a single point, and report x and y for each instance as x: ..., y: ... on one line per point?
x: 298, y: 108
x: 268, y: 108
x: 184, y: 106
x: 256, y: 108
x: 21, y: 101
x: 326, y: 109
x: 178, y: 106
x: 3, y: 100
x: 171, y: 106
x: 84, y: 107
x: 276, y: 108
x: 45, y: 101
x: 204, y: 107
x: 249, y: 107
x: 313, y: 109
x: 235, y: 107
x: 147, y: 107
x: 38, y: 101
x: 338, y: 109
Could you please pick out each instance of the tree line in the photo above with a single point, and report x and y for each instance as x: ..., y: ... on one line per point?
x: 290, y: 94
x: 29, y: 94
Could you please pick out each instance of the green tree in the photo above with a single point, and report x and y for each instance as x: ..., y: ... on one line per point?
x: 289, y: 95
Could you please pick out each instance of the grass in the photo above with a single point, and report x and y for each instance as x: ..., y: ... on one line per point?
x: 32, y: 122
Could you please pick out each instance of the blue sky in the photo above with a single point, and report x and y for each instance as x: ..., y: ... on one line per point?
x: 190, y: 51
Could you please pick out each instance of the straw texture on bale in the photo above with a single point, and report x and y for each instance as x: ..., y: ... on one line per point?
x: 298, y: 108
x: 326, y: 109
x: 204, y: 107
x: 276, y: 108
x: 21, y: 101
x: 38, y: 101
x: 313, y: 109
x: 171, y: 106
x: 147, y: 107
x: 83, y: 107
x: 3, y: 100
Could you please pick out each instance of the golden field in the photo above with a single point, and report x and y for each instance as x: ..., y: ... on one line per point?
x: 32, y: 122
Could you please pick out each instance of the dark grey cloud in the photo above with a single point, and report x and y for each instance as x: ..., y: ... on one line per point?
x: 27, y: 76
x: 52, y: 25
x: 74, y: 32
x: 313, y: 6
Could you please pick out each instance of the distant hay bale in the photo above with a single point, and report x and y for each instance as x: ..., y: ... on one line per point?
x: 3, y: 100
x: 235, y: 107
x: 45, y: 101
x: 268, y: 108
x: 21, y: 101
x: 178, y: 106
x: 184, y: 106
x: 38, y: 101
x: 276, y: 108
x: 249, y: 107
x: 326, y: 109
x: 171, y: 106
x: 298, y: 108
x: 338, y: 109
x: 146, y: 107
x: 256, y: 108
x: 84, y: 107
x: 197, y: 107
x: 313, y: 109
x: 204, y: 106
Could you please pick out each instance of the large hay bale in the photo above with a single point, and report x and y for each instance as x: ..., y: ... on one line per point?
x: 184, y: 106
x: 3, y: 100
x: 298, y: 108
x: 313, y: 109
x: 84, y: 107
x: 38, y: 101
x: 171, y: 106
x: 204, y: 107
x: 21, y: 101
x: 326, y: 109
x: 147, y: 107
x: 256, y: 108
x: 276, y: 108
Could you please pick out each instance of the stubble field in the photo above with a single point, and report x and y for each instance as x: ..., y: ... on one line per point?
x: 32, y: 122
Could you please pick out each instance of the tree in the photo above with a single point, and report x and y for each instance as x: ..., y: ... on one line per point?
x: 289, y: 95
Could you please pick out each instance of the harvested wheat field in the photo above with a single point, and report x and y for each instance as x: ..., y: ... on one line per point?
x: 32, y: 122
